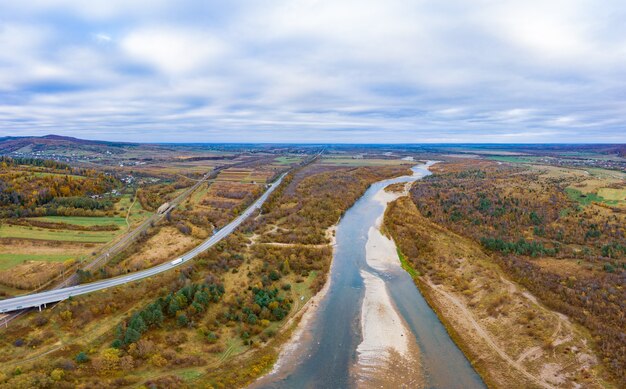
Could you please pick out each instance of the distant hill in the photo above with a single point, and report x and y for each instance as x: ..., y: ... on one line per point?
x: 56, y: 144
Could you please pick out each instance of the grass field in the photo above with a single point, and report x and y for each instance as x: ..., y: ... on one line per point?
x: 84, y: 221
x: 198, y: 195
x: 137, y: 213
x: 8, y: 261
x: 588, y: 198
x: 605, y: 173
x: 287, y: 160
x: 512, y: 159
x: 11, y: 231
x: 121, y: 207
x: 47, y: 174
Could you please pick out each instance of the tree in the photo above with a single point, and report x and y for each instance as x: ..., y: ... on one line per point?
x: 132, y: 336
x: 182, y: 320
x: 81, y: 357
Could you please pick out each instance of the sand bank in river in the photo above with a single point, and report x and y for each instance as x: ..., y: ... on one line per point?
x: 382, y: 327
x: 388, y: 353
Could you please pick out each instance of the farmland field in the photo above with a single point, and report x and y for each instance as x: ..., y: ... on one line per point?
x: 287, y: 160
x: 8, y: 261
x: 85, y: 221
x: 364, y: 162
x: 244, y: 175
x: 48, y: 174
x: 22, y: 232
x: 512, y: 159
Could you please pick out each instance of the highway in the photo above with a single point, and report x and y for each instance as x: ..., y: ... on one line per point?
x: 120, y: 245
x: 39, y: 300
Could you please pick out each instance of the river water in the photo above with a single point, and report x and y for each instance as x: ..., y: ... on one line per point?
x: 327, y: 352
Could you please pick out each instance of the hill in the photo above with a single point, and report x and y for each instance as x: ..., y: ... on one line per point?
x: 58, y: 144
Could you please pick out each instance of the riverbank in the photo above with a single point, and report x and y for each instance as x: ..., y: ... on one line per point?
x: 290, y: 351
x: 511, y: 339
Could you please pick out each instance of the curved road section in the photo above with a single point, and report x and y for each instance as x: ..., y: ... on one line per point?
x: 52, y: 296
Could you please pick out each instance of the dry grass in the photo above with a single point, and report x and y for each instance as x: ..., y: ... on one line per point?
x: 494, y: 320
x: 245, y: 175
x: 165, y: 245
x: 37, y: 247
x: 31, y: 274
x: 567, y: 268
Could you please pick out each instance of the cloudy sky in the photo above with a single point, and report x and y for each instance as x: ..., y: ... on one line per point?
x: 315, y: 71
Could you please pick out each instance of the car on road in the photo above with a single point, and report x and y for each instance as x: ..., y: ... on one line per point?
x: 176, y: 261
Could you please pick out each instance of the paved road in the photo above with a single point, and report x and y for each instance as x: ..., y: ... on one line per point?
x: 43, y: 298
x: 120, y: 245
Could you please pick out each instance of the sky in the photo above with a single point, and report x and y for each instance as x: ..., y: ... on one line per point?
x: 336, y: 71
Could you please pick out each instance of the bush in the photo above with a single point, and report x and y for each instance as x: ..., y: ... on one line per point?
x: 57, y: 374
x: 211, y: 337
x: 182, y: 320
x: 609, y: 268
x: 81, y: 357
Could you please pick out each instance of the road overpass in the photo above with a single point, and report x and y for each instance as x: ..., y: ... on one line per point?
x: 39, y: 300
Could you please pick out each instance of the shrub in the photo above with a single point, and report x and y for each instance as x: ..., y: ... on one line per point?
x: 182, y: 320
x: 211, y: 337
x: 57, y: 374
x: 81, y: 357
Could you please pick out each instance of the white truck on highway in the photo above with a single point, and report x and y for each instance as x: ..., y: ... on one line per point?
x: 176, y: 261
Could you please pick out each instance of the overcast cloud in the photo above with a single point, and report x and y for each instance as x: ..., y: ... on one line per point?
x: 315, y: 71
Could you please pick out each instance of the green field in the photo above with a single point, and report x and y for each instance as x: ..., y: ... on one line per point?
x: 85, y: 221
x: 512, y: 159
x: 190, y: 375
x: 588, y: 198
x: 48, y: 174
x: 287, y: 160
x: 124, y: 202
x: 23, y: 232
x: 7, y: 261
x: 137, y: 214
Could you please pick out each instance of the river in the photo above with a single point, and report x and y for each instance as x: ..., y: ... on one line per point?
x: 326, y: 355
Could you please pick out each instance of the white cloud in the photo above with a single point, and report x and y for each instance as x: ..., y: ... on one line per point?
x: 172, y: 50
x: 396, y: 70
